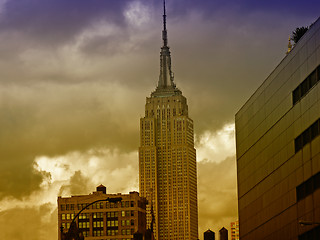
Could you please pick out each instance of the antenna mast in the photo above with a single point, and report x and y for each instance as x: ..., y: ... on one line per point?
x: 164, y: 32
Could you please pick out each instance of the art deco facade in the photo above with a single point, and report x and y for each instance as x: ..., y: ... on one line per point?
x: 167, y: 158
x: 104, y: 220
x: 278, y: 149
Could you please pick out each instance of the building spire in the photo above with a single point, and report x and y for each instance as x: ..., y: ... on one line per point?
x: 164, y: 31
x: 166, y: 85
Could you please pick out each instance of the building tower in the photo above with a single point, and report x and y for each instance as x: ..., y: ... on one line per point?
x: 167, y: 158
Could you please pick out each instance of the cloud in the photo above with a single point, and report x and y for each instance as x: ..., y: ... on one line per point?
x: 55, y: 21
x: 79, y: 184
x: 75, y: 74
x: 216, y: 146
x: 71, y: 174
x: 137, y: 14
x: 80, y: 172
x: 36, y: 223
x: 52, y: 120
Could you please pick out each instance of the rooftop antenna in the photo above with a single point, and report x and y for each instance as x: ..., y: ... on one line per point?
x: 164, y: 32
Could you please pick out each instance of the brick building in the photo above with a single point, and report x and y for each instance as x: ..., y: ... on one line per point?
x: 105, y: 219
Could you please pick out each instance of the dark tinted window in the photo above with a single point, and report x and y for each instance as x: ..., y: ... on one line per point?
x: 308, y: 187
x: 309, y: 134
x: 306, y: 85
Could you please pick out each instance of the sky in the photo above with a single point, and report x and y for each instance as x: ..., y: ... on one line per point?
x: 74, y: 76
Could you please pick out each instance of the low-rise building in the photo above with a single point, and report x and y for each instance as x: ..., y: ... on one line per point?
x: 119, y: 218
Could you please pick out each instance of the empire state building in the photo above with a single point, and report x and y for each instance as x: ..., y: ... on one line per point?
x: 167, y: 157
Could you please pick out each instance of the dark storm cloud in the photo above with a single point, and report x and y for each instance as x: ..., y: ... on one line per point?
x: 210, y: 7
x: 17, y: 175
x: 55, y: 21
x: 78, y: 184
x: 50, y: 120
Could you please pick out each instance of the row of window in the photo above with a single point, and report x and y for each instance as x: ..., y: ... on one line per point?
x: 84, y: 216
x: 306, y: 85
x: 99, y: 205
x: 308, y: 187
x: 119, y: 238
x: 98, y: 224
x: 127, y: 222
x: 127, y: 213
x: 112, y: 232
x: 97, y: 233
x: 112, y: 214
x: 84, y: 224
x: 68, y: 216
x: 307, y: 136
x: 167, y: 113
x: 127, y: 231
x: 123, y: 232
x: 96, y: 215
x: 87, y: 235
x: 110, y: 223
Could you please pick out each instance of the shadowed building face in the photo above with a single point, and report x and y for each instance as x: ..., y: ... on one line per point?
x: 278, y: 148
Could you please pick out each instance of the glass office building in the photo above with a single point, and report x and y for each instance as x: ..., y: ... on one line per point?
x: 278, y: 149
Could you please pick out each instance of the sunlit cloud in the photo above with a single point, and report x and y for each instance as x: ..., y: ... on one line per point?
x: 216, y: 146
x: 100, y: 165
x: 71, y: 174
